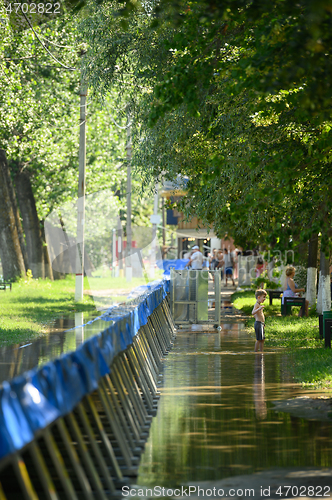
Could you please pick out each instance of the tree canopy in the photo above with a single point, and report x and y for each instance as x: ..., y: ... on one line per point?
x: 233, y: 95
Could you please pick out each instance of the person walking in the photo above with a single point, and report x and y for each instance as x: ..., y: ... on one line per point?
x: 228, y: 266
x: 196, y: 259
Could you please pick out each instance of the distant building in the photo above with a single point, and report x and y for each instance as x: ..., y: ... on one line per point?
x: 192, y: 232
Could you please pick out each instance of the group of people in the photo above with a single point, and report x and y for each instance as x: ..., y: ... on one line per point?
x: 224, y: 260
x: 227, y: 261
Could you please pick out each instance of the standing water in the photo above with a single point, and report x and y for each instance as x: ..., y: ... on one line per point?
x: 216, y: 418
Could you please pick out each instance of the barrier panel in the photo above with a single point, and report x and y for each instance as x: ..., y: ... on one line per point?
x: 189, y: 296
x: 75, y: 428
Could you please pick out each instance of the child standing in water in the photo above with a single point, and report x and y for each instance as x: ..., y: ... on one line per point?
x: 258, y: 314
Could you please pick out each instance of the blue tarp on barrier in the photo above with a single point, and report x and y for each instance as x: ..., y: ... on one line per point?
x: 33, y: 400
x: 177, y: 264
x: 167, y: 264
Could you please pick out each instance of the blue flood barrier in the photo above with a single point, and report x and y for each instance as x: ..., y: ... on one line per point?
x: 175, y: 263
x: 30, y: 402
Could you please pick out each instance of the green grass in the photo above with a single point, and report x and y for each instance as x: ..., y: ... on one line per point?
x: 28, y: 311
x: 102, y: 280
x: 30, y: 308
x: 106, y: 283
x: 311, y: 362
x: 313, y: 367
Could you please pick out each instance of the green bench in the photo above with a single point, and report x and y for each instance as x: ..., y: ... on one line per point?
x: 286, y: 307
x: 274, y: 294
x: 5, y: 284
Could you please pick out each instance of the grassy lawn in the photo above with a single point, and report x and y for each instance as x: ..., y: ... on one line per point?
x: 310, y: 361
x: 96, y: 283
x: 28, y: 310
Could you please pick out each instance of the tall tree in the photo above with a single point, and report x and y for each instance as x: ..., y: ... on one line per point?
x: 31, y: 225
x: 324, y: 286
x: 233, y: 100
x: 39, y: 127
x: 10, y: 248
x: 16, y: 214
x: 312, y: 270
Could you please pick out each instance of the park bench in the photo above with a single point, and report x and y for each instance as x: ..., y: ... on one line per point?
x: 5, y: 284
x: 274, y: 294
x: 286, y: 307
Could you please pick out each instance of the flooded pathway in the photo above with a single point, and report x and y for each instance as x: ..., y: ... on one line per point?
x: 216, y: 419
x: 66, y: 335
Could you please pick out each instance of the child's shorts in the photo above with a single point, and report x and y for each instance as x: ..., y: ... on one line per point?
x: 260, y: 330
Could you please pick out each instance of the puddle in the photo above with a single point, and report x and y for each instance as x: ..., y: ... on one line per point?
x: 216, y: 419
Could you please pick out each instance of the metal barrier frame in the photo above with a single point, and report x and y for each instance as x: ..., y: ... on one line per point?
x: 217, y: 289
x: 94, y: 450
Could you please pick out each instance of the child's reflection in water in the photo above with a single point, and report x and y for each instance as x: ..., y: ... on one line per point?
x: 259, y: 387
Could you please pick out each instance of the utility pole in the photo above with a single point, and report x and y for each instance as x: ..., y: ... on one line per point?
x: 129, y: 272
x: 121, y: 252
x: 113, y: 252
x: 120, y: 247
x: 81, y: 197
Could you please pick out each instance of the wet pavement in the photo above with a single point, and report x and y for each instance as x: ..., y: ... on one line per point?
x: 216, y: 420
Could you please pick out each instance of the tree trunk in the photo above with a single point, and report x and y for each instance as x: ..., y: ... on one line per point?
x: 312, y: 270
x: 31, y: 224
x: 324, y: 288
x: 319, y: 308
x: 10, y: 248
x: 47, y: 258
x: 17, y: 217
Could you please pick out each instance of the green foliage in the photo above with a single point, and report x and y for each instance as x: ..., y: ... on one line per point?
x: 234, y: 97
x: 28, y: 311
x: 39, y: 127
x: 263, y: 281
x: 244, y: 301
x: 301, y: 277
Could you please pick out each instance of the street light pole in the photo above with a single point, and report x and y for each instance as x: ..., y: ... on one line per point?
x: 81, y: 197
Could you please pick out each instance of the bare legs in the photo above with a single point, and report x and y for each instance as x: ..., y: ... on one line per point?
x: 259, y: 345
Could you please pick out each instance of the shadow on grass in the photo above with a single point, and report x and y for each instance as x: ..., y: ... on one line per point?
x: 43, y: 300
x: 40, y: 309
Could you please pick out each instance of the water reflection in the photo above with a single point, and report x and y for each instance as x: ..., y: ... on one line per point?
x: 259, y: 387
x: 215, y: 418
x: 64, y: 337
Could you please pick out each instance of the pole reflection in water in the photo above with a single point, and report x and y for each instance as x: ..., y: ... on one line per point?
x: 79, y: 329
x: 259, y: 387
x: 215, y: 416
